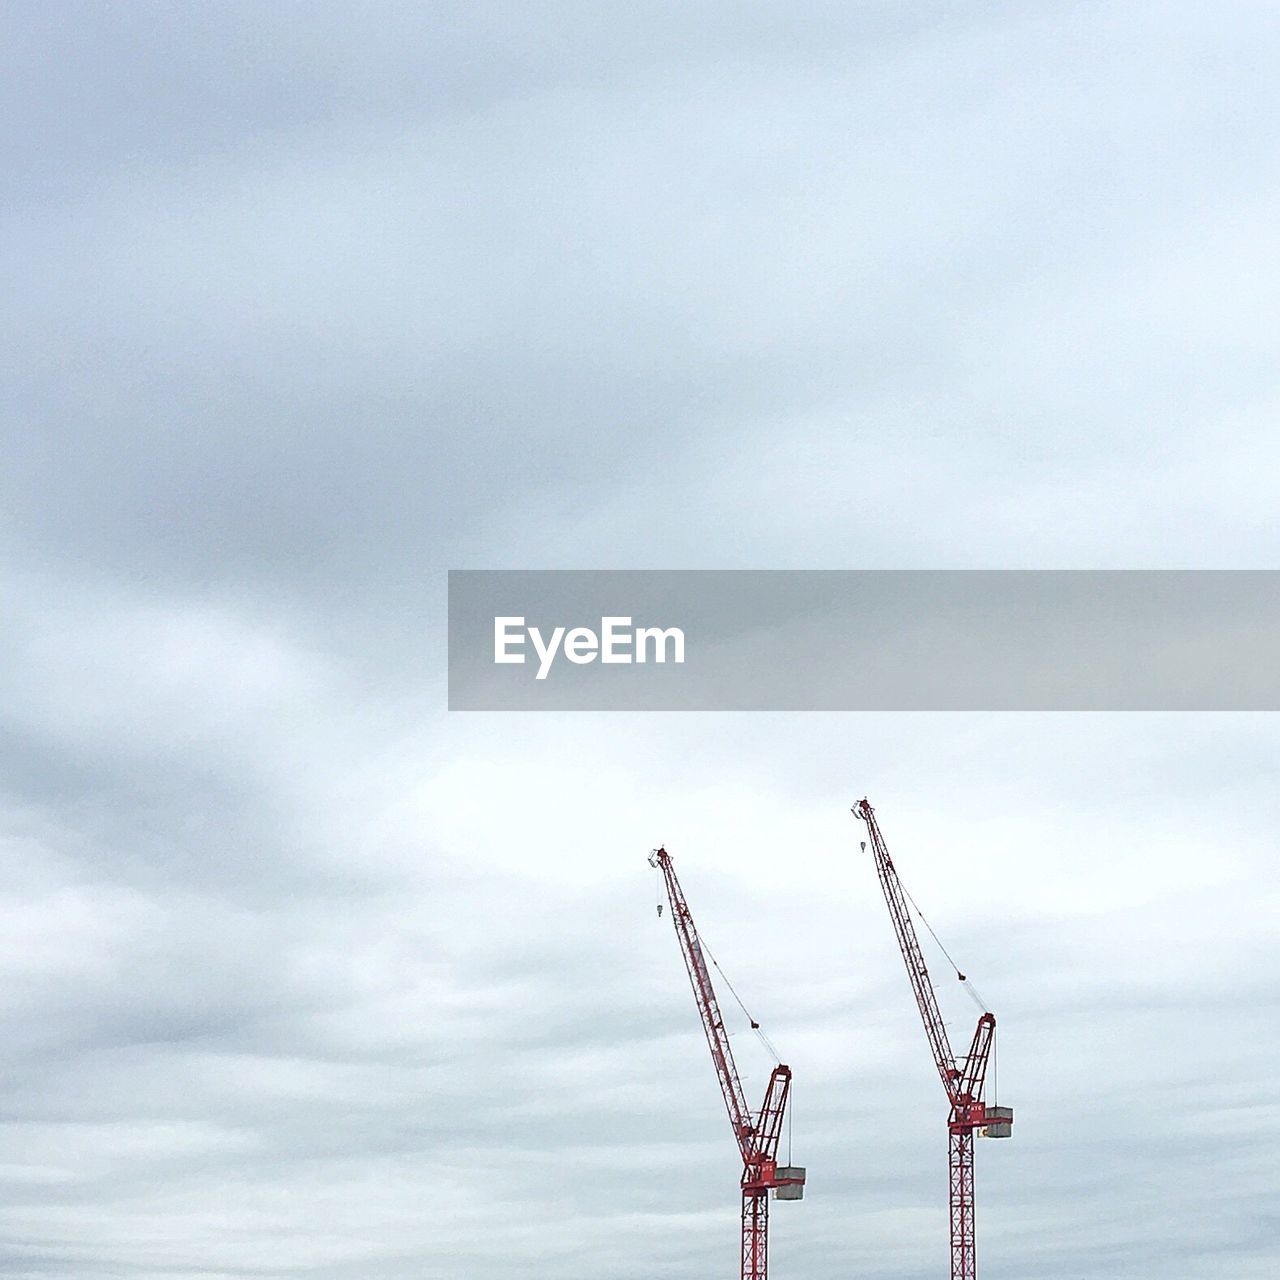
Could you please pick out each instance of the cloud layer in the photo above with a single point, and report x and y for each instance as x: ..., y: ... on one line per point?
x: 303, y: 977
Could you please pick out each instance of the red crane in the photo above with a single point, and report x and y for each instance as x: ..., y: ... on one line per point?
x: 963, y: 1080
x: 756, y: 1133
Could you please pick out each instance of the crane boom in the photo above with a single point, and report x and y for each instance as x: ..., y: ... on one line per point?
x: 704, y: 994
x: 909, y: 945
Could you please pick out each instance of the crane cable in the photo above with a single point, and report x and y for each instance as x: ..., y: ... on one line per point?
x: 968, y: 986
x: 755, y: 1026
x: 706, y: 950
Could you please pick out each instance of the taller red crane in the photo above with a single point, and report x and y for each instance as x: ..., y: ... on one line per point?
x: 757, y: 1133
x: 964, y: 1080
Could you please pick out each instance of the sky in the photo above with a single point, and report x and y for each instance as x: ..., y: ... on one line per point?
x: 304, y: 305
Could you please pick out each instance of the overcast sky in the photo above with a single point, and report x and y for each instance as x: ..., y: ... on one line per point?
x: 306, y: 304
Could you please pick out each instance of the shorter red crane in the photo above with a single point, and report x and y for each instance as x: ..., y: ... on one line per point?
x: 756, y: 1133
x: 964, y: 1081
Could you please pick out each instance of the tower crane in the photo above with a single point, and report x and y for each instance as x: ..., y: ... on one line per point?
x: 963, y: 1079
x: 757, y: 1133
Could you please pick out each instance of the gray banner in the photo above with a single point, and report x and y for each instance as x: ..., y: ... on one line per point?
x: 835, y: 640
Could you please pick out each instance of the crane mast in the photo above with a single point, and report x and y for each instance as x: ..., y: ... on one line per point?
x: 757, y: 1134
x: 964, y: 1082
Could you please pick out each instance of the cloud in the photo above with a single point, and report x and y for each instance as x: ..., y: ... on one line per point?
x: 302, y: 976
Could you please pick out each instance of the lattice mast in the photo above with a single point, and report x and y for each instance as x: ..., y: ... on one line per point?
x: 758, y: 1133
x: 963, y: 1080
